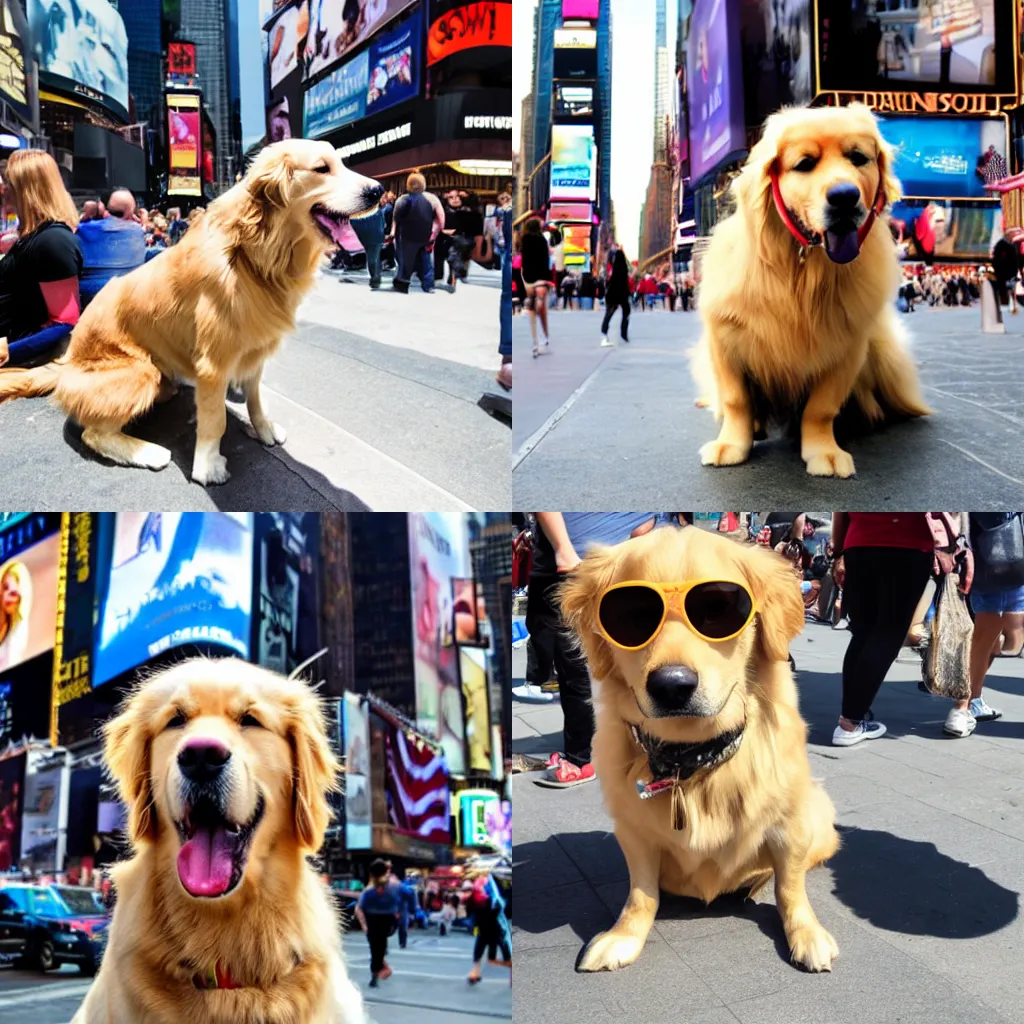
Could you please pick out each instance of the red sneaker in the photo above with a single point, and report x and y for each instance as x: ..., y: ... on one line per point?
x: 553, y: 760
x: 565, y: 774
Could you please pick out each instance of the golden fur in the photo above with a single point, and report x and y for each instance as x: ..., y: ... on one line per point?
x: 277, y: 932
x: 807, y: 332
x: 212, y: 309
x: 757, y: 815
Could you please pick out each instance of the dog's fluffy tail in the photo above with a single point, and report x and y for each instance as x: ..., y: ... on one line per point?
x: 17, y: 382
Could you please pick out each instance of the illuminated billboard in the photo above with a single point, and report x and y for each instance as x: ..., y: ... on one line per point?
x: 457, y: 26
x: 580, y: 9
x: 575, y: 38
x: 287, y: 41
x: 184, y: 145
x: 336, y: 27
x: 575, y: 101
x: 29, y: 560
x: 573, y: 162
x: 337, y: 100
x: 558, y: 212
x: 82, y: 47
x: 13, y: 80
x: 939, y: 45
x: 938, y: 157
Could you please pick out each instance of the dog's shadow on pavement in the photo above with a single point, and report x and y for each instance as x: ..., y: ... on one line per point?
x: 893, y: 883
x: 255, y: 470
x: 911, y: 887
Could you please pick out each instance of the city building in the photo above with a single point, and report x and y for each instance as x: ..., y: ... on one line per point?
x: 19, y: 99
x: 656, y: 217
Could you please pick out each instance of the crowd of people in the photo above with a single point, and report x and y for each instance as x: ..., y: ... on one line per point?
x: 882, y: 576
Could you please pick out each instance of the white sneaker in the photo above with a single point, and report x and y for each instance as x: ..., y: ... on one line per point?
x: 605, y: 343
x: 530, y: 693
x: 868, y: 729
x: 983, y: 712
x: 959, y: 722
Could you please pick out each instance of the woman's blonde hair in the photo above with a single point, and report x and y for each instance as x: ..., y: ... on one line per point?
x: 39, y: 192
x: 21, y: 575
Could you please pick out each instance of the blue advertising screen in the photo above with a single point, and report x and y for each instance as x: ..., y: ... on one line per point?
x: 937, y: 157
x: 394, y: 71
x: 715, y: 79
x: 338, y: 99
x: 174, y: 579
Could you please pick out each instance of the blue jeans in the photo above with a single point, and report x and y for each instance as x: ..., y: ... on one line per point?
x: 505, y: 343
x: 413, y: 258
x: 373, y: 263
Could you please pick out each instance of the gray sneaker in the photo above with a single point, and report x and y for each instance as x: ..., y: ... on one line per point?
x: 983, y: 712
x: 868, y: 729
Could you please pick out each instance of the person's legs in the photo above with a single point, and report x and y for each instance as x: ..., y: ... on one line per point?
x: 1013, y: 634
x: 376, y: 934
x: 542, y: 302
x: 917, y: 630
x: 406, y: 264
x: 574, y: 691
x: 624, y: 324
x: 607, y: 318
x: 373, y: 264
x: 881, y: 590
x: 478, y: 951
x: 425, y: 266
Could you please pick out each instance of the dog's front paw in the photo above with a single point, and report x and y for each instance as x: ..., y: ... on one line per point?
x: 813, y: 948
x: 831, y: 463
x: 267, y: 432
x: 609, y: 951
x: 721, y: 453
x: 212, y: 470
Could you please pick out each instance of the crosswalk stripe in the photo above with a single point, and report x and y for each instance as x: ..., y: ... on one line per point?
x: 43, y: 993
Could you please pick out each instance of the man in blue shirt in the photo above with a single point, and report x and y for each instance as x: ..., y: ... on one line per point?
x: 377, y: 912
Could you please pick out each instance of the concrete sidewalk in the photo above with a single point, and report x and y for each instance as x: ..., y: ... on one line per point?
x: 616, y: 428
x: 923, y: 898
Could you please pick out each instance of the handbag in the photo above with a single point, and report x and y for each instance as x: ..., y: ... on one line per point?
x: 998, y: 552
x: 947, y: 663
x: 951, y: 550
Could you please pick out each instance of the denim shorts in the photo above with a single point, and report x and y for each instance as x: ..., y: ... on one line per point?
x: 999, y: 601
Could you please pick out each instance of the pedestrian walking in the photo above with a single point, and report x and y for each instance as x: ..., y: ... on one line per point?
x: 884, y: 560
x: 417, y: 220
x: 492, y: 928
x: 617, y: 297
x: 558, y: 257
x: 377, y: 912
x: 370, y: 231
x: 407, y: 907
x: 568, y: 290
x: 536, y: 271
x: 997, y: 600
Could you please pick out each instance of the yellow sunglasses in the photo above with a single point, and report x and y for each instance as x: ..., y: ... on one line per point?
x: 631, y: 614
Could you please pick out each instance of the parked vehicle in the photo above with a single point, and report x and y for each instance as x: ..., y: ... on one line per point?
x: 44, y: 926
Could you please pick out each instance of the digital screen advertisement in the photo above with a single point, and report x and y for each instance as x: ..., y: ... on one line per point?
x: 464, y: 26
x: 573, y: 162
x: 937, y: 157
x: 581, y: 9
x: 181, y: 60
x: 83, y: 43
x: 287, y: 38
x: 76, y: 589
x: 12, y: 791
x: 417, y: 787
x: 338, y: 26
x: 394, y: 67
x: 558, y: 212
x: 358, y: 808
x: 947, y: 230
x: 337, y: 100
x: 938, y: 46
x: 13, y: 82
x: 717, y: 127
x: 173, y: 579
x: 437, y: 555
x: 184, y: 141
x: 473, y: 673
x: 29, y: 559
x: 474, y: 805
x: 574, y: 101
x: 575, y: 38
x: 778, y: 56
x: 40, y: 821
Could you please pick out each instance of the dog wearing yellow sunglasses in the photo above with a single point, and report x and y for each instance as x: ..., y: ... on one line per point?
x: 700, y: 748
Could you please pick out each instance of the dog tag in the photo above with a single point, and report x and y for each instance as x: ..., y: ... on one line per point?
x: 645, y: 790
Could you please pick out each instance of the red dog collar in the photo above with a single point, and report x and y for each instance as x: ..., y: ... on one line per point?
x: 804, y: 240
x: 216, y: 975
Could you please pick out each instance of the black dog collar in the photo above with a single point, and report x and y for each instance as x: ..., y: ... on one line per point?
x: 674, y: 763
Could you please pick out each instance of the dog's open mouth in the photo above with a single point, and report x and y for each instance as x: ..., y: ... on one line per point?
x: 214, y: 850
x: 330, y: 222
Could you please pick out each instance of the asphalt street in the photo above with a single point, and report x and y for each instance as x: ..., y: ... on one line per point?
x: 377, y: 391
x: 428, y: 986
x: 923, y: 897
x: 615, y: 428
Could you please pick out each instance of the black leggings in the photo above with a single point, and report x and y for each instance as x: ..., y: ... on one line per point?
x: 489, y: 936
x: 611, y: 307
x: 882, y: 588
x: 378, y: 928
x: 548, y: 635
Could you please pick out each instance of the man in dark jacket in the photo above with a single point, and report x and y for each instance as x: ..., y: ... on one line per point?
x: 370, y: 231
x: 417, y: 219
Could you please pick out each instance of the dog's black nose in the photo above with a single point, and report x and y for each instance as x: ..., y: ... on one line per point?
x: 372, y: 193
x: 202, y: 761
x: 671, y: 687
x: 843, y: 197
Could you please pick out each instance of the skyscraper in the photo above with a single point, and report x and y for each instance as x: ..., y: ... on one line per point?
x: 662, y: 87
x: 603, y: 129
x: 656, y: 220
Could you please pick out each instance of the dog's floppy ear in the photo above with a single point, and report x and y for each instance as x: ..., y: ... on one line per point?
x: 780, y: 607
x: 126, y: 751
x: 891, y: 187
x: 269, y: 178
x: 578, y: 596
x: 315, y: 769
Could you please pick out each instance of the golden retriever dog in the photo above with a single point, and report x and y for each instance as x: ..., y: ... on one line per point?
x: 700, y: 748
x: 220, y: 919
x: 797, y: 329
x: 212, y: 309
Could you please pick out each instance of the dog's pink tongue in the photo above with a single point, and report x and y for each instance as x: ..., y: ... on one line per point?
x: 204, y: 862
x: 842, y: 248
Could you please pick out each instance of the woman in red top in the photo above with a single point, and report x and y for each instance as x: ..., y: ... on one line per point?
x: 887, y: 559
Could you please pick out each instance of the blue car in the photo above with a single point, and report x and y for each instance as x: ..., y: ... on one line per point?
x: 44, y: 926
